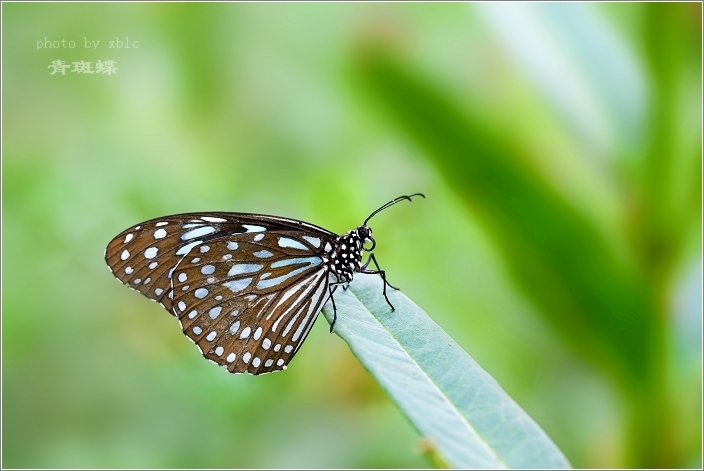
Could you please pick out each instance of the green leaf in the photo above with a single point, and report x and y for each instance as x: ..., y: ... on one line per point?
x: 447, y: 396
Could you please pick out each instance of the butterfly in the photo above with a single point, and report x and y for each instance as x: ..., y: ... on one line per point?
x: 246, y: 288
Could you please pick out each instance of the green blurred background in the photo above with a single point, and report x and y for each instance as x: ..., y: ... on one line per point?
x: 559, y: 146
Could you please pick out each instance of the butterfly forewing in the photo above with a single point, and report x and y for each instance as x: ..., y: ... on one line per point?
x: 142, y: 256
x: 246, y: 288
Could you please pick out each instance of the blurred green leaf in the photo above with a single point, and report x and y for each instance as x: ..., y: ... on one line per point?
x: 579, y: 64
x: 449, y: 398
x: 670, y: 206
x: 589, y: 295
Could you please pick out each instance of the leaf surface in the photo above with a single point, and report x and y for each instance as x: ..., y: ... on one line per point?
x: 456, y: 405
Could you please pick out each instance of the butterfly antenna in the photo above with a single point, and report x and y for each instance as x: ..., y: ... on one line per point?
x: 390, y: 203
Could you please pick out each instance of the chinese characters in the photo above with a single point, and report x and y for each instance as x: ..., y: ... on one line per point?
x: 107, y: 67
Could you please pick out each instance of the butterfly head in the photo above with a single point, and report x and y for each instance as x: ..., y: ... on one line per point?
x: 365, y: 235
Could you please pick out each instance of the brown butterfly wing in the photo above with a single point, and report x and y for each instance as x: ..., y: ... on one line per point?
x: 246, y: 288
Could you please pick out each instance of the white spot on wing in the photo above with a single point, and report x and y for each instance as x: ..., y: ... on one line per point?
x: 257, y: 333
x: 151, y: 252
x: 182, y: 277
x: 314, y: 241
x: 245, y: 333
x: 192, y: 314
x: 232, y: 245
x: 246, y: 357
x: 215, y: 312
x: 256, y: 362
x: 310, y: 261
x: 231, y: 357
x: 266, y: 343
x: 208, y: 269
x: 286, y: 242
x: 243, y: 268
x: 280, y: 361
x: 124, y: 255
x: 219, y: 351
x: 263, y: 254
x: 128, y: 238
x: 235, y: 327
x: 251, y: 228
x: 129, y: 270
x: 211, y: 336
x: 238, y: 285
x: 159, y: 234
x: 159, y: 224
x: 153, y: 265
x: 213, y: 219
x: 187, y: 248
x: 197, y: 330
x: 288, y: 348
x: 200, y: 231
x: 201, y: 293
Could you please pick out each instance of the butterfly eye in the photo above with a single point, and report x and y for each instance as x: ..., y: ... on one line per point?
x: 365, y: 233
x: 370, y: 238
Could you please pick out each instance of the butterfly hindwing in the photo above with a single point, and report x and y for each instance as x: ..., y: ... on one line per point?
x: 249, y: 295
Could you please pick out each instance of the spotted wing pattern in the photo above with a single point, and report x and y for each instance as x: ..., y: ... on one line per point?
x: 246, y: 288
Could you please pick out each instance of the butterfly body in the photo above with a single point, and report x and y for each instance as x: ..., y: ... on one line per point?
x: 246, y: 288
x: 346, y: 259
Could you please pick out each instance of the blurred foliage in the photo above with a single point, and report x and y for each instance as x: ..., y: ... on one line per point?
x: 560, y: 149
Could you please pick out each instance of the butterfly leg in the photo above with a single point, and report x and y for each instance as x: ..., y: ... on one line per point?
x: 381, y: 273
x: 334, y: 309
x: 372, y: 258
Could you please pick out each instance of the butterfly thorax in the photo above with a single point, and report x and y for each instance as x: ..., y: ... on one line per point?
x: 347, y: 257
